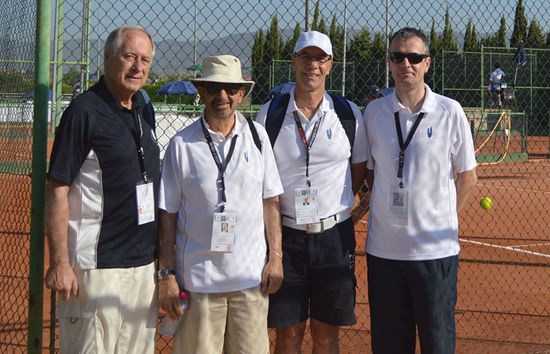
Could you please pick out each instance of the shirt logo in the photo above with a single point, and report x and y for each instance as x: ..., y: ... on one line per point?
x: 429, y: 132
x: 246, y: 156
x: 329, y: 134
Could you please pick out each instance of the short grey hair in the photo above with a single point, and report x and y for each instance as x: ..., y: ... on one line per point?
x: 114, y: 40
x: 409, y: 32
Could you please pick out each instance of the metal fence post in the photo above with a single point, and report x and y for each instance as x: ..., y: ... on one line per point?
x: 40, y: 128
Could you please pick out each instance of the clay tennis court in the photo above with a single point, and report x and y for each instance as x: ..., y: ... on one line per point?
x: 504, y: 288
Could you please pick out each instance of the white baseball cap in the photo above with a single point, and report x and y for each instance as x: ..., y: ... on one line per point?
x: 313, y: 39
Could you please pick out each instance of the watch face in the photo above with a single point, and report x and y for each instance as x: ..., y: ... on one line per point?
x: 163, y: 273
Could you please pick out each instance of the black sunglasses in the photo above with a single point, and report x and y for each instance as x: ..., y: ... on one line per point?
x: 213, y: 88
x: 413, y: 58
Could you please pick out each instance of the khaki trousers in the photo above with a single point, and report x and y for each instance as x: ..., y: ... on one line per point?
x: 233, y: 322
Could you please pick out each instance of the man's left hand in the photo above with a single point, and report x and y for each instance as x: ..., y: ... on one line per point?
x: 272, y: 275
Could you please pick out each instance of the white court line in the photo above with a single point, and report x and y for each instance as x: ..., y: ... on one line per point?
x: 509, y: 248
x: 534, y: 244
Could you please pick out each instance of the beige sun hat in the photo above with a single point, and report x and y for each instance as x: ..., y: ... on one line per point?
x: 224, y: 69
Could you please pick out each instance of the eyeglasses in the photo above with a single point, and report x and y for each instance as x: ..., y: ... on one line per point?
x: 322, y: 58
x: 413, y: 58
x: 213, y: 88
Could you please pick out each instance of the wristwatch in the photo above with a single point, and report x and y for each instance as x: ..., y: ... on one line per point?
x: 163, y: 273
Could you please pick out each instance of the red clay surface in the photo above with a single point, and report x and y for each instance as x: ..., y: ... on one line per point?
x: 504, y: 288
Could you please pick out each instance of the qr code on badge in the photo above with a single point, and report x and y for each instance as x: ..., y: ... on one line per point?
x: 398, y: 199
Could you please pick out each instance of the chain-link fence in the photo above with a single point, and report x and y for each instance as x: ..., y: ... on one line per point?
x: 17, y: 37
x: 504, y: 292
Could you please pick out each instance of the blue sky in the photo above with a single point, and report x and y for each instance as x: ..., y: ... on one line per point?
x: 174, y: 19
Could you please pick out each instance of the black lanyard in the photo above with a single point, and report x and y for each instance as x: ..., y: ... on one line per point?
x: 137, y: 134
x: 403, y: 146
x: 304, y: 140
x: 221, y: 168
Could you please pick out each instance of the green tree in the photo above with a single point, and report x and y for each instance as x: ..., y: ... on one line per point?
x: 258, y: 67
x: 548, y: 40
x: 435, y: 42
x: 360, y: 48
x: 322, y: 26
x: 316, y: 15
x: 289, y: 46
x: 535, y: 36
x: 379, y: 46
x: 272, y: 46
x: 519, y: 34
x: 336, y: 35
x: 72, y: 76
x: 448, y: 40
x: 360, y: 53
x: 469, y: 40
x: 500, y: 35
x: 489, y: 41
x: 258, y: 50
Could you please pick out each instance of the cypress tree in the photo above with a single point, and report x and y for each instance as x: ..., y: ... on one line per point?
x: 336, y: 35
x: 316, y: 15
x: 322, y: 26
x: 435, y: 44
x: 272, y: 47
x: 289, y: 46
x: 500, y: 36
x: 447, y: 38
x: 468, y: 39
x: 519, y: 33
x: 535, y: 36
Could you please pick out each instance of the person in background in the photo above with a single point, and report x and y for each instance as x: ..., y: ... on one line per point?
x: 496, y: 84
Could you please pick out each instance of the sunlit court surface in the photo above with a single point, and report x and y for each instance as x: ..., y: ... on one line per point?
x: 504, y: 284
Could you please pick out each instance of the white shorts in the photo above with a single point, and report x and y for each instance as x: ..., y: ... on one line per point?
x: 116, y: 311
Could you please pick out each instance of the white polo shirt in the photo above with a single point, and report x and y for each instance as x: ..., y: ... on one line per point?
x: 441, y: 147
x: 188, y: 187
x: 329, y: 168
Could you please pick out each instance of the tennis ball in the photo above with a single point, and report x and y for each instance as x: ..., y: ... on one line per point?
x: 486, y: 203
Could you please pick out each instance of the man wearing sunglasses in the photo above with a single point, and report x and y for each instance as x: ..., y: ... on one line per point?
x: 314, y: 155
x: 218, y: 193
x: 421, y: 170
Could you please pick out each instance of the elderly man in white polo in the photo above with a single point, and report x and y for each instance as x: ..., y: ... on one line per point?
x: 220, y: 170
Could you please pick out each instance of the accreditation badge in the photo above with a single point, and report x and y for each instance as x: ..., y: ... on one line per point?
x: 223, y: 231
x: 306, y: 206
x: 145, y: 197
x: 398, y: 206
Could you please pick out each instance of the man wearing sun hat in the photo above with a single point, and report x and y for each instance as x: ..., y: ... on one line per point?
x: 220, y: 170
x: 313, y: 149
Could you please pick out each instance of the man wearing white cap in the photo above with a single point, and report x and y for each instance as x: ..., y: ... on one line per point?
x: 313, y: 144
x: 218, y: 193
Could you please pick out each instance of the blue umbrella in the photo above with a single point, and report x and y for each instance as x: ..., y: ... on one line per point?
x: 178, y: 88
x: 386, y: 91
x: 30, y: 95
x: 281, y: 89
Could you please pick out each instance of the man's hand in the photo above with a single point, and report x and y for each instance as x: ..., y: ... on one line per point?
x: 61, y: 278
x: 169, y: 297
x: 272, y: 275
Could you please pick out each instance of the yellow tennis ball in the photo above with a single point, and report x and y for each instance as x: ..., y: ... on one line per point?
x: 486, y: 203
